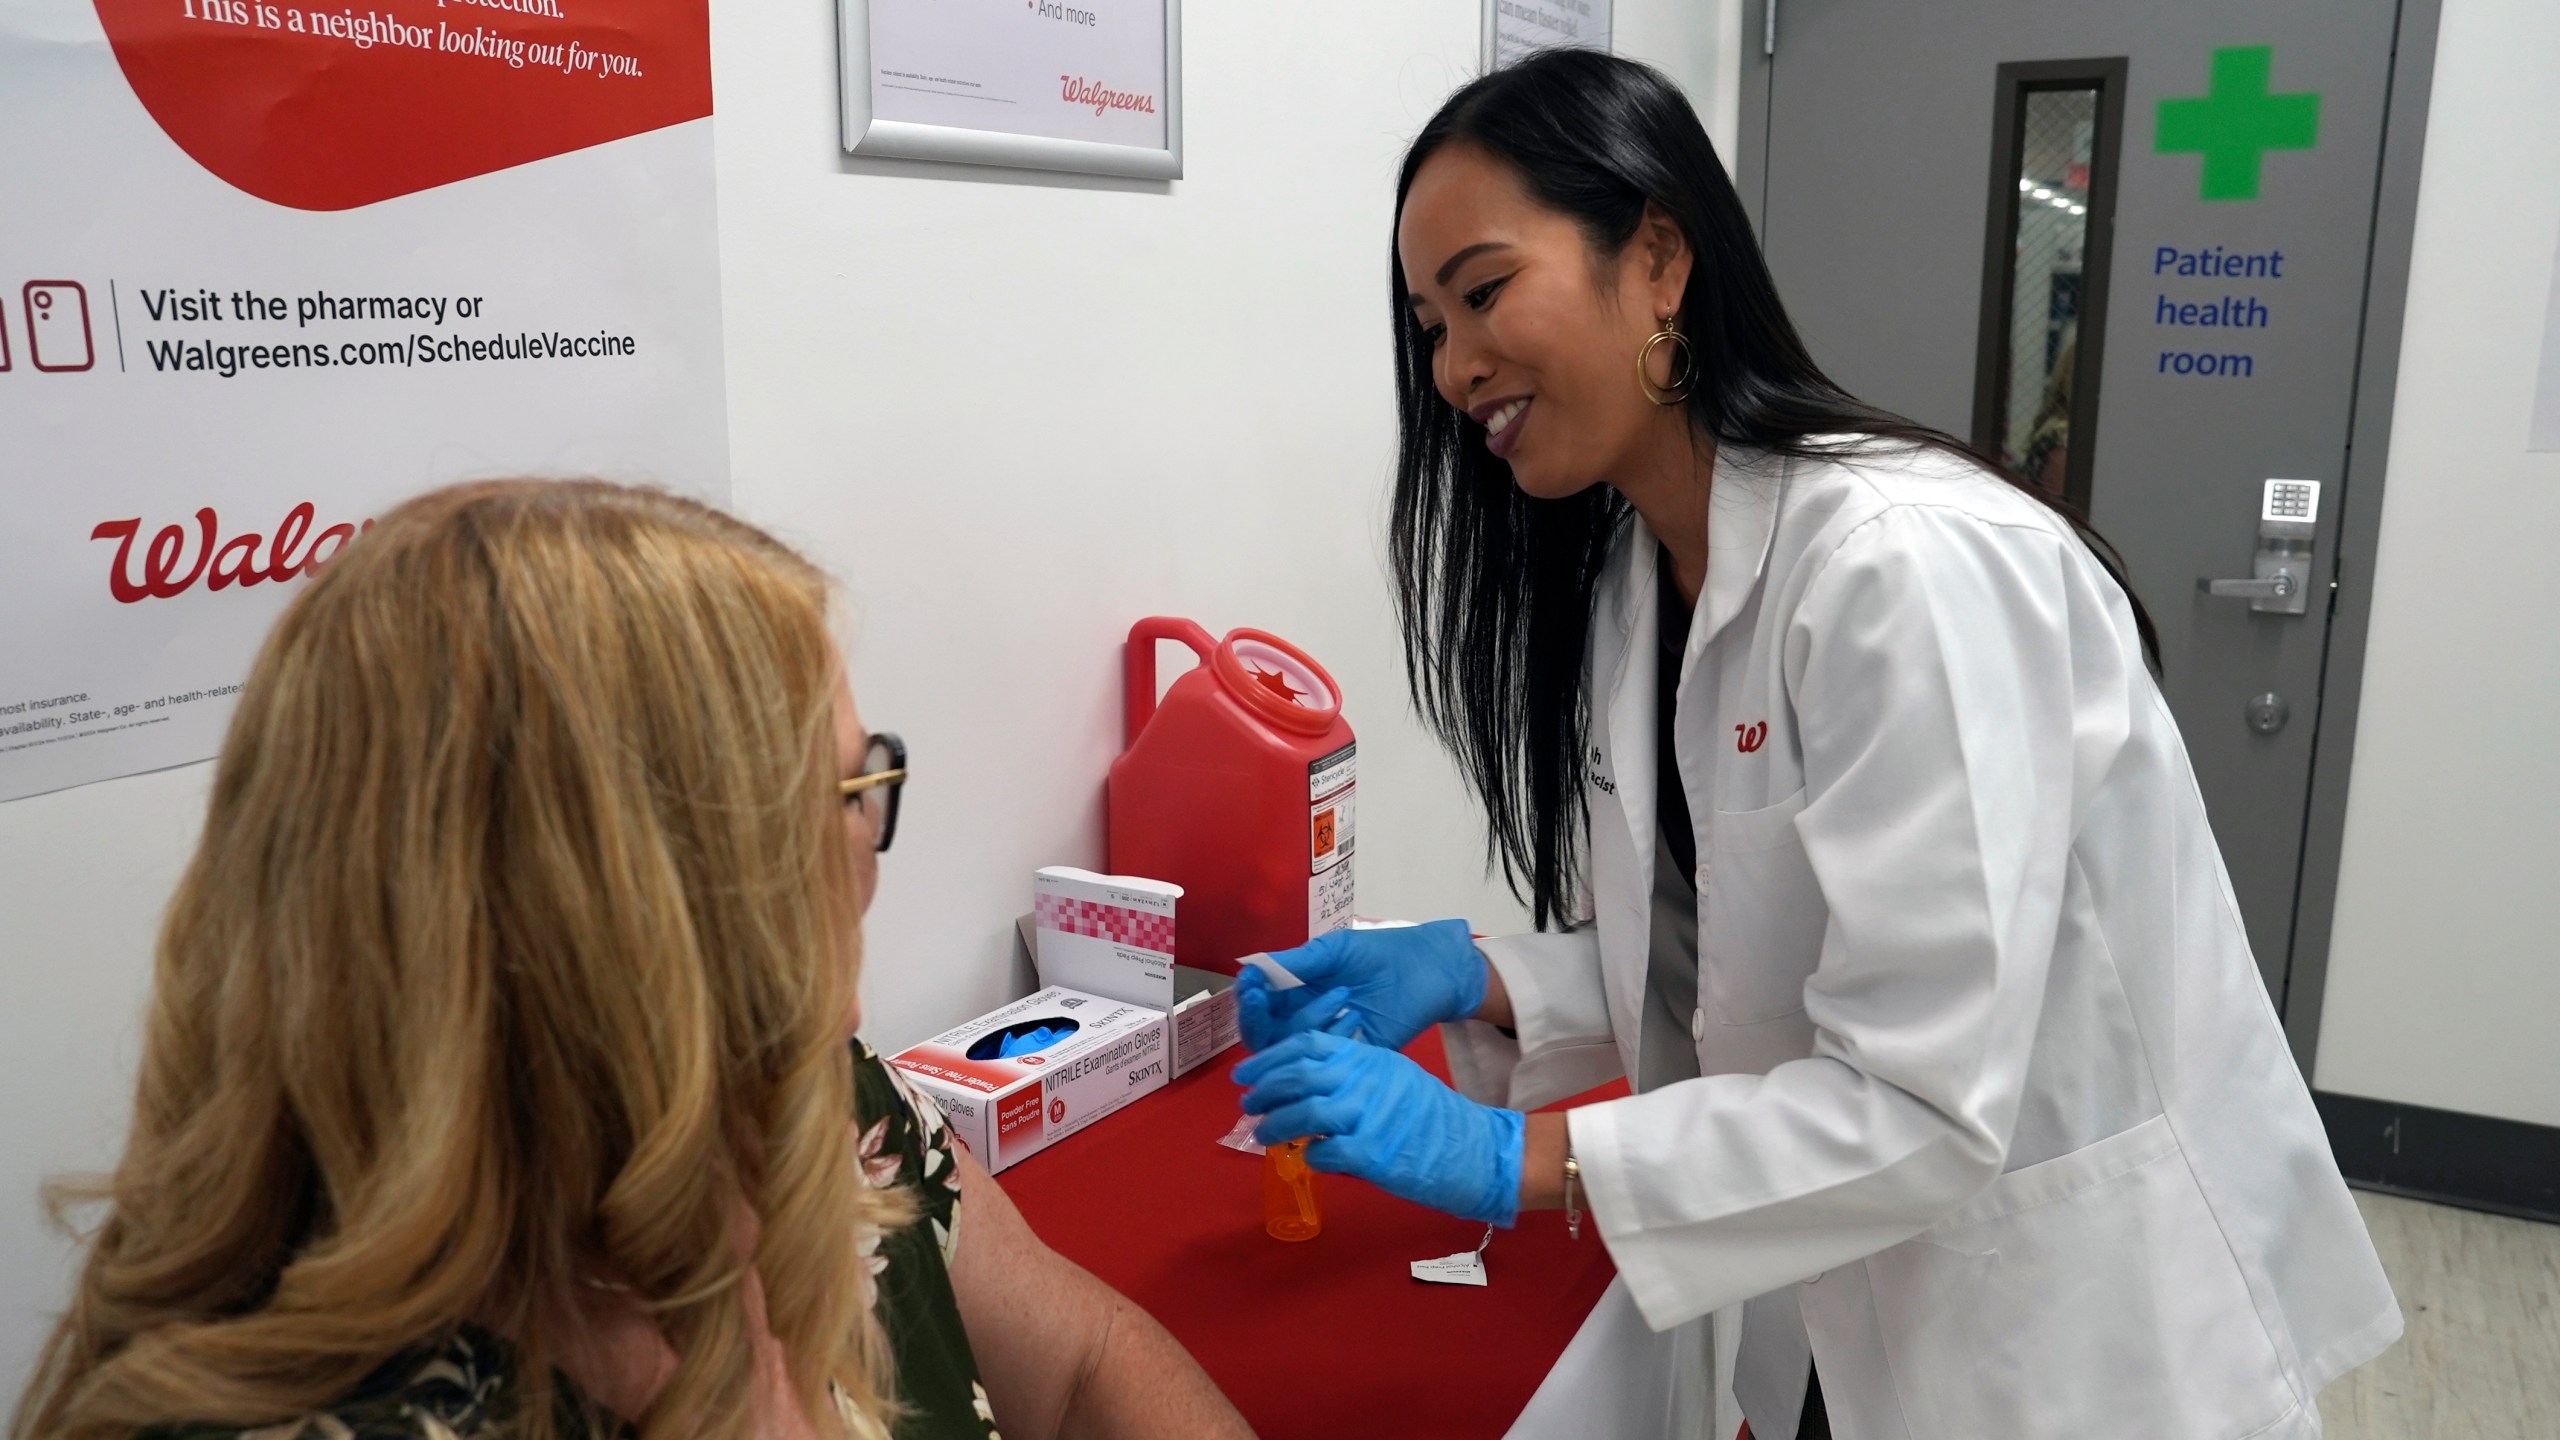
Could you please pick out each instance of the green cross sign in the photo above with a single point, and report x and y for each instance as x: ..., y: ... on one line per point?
x: 2237, y: 122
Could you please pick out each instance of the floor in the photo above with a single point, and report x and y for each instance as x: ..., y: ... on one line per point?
x: 2481, y: 1358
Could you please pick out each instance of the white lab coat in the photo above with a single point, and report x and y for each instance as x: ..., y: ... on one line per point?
x: 1990, y: 1095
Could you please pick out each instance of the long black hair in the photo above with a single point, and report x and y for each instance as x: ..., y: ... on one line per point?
x: 1494, y: 588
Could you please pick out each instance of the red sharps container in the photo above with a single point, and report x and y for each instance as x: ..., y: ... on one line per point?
x: 1237, y: 787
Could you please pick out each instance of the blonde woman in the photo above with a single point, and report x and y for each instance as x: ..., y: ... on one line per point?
x: 497, y: 1081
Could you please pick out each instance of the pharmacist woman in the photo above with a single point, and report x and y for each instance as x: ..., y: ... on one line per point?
x: 1830, y: 759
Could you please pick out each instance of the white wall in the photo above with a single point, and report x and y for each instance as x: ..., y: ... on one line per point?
x: 83, y: 877
x: 1017, y: 412
x: 1014, y: 412
x: 1698, y: 43
x: 2444, y: 974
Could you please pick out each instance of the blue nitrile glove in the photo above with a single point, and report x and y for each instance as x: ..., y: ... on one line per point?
x: 1399, y: 982
x: 1383, y: 1118
x: 1267, y: 1014
x: 1029, y: 1043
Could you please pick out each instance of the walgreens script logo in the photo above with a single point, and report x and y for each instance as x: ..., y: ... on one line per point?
x: 1077, y: 90
x: 178, y: 556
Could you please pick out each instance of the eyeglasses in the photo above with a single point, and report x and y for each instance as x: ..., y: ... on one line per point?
x: 884, y: 772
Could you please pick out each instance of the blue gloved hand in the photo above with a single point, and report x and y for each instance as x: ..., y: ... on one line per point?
x: 1267, y: 1014
x: 1396, y: 984
x: 1387, y: 1120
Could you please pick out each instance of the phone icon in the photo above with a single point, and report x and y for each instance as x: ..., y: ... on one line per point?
x: 58, y: 325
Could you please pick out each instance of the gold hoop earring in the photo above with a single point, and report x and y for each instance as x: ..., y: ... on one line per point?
x: 1681, y: 370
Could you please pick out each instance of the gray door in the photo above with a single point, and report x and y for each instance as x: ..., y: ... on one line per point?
x: 2127, y: 244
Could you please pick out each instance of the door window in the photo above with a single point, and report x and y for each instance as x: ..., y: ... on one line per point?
x: 2044, y: 274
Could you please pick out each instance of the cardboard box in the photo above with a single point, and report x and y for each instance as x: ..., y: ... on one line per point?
x: 1112, y: 935
x: 1005, y: 1110
x: 1106, y: 935
x: 1204, y: 1016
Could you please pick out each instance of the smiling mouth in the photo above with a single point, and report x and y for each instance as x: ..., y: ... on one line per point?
x: 1503, y: 419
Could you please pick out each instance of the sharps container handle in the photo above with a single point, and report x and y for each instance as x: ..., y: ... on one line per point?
x: 1138, y: 664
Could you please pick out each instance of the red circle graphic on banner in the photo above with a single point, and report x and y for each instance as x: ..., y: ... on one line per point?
x: 328, y: 107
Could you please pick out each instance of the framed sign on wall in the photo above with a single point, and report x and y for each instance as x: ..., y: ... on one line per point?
x: 1513, y: 28
x: 1092, y: 86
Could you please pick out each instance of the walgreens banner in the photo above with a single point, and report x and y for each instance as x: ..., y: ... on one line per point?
x: 266, y: 269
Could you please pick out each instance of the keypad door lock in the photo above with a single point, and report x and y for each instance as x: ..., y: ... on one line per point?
x: 2288, y: 520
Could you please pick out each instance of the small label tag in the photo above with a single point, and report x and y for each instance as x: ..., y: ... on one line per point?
x: 1273, y: 970
x: 1464, y: 1268
x: 1240, y: 1136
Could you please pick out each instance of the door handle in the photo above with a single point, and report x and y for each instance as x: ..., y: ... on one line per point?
x: 2279, y: 586
x: 2288, y: 515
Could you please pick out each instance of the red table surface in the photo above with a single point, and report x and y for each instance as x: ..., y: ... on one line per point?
x: 1327, y: 1337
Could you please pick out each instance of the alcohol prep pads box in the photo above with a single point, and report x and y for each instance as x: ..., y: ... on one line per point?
x: 1204, y: 1016
x: 1113, y: 935
x: 1105, y: 934
x: 1099, y: 1055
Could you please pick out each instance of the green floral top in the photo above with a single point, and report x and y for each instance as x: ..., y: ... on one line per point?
x: 462, y: 1388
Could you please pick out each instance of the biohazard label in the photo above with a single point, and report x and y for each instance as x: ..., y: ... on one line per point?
x: 1331, y: 789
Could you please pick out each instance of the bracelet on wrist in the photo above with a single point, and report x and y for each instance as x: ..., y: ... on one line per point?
x: 1572, y: 1190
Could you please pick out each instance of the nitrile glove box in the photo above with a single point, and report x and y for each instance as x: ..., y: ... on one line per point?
x: 1004, y: 1109
x: 1113, y: 935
